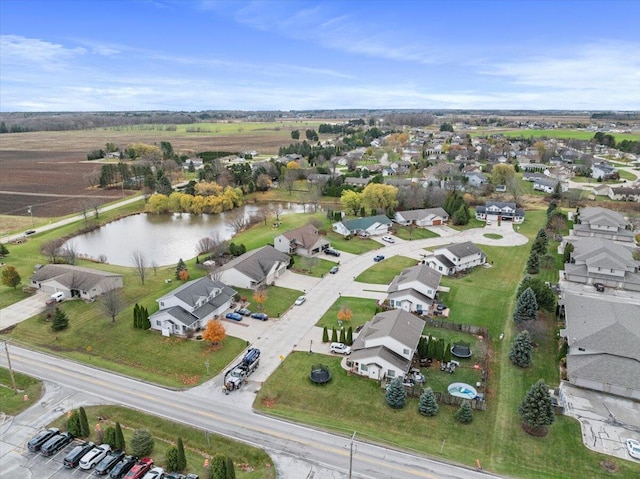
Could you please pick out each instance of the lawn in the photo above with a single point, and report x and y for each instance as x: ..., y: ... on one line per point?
x: 278, y: 301
x: 316, y: 266
x: 363, y: 310
x: 384, y: 271
x: 11, y: 402
x: 198, y: 445
x: 559, y: 133
x: 409, y: 233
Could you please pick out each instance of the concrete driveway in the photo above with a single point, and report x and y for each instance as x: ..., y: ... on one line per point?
x: 18, y: 312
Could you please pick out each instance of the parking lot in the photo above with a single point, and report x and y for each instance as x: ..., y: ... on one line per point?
x: 51, y: 467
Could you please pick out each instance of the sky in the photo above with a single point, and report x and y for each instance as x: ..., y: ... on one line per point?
x: 195, y: 55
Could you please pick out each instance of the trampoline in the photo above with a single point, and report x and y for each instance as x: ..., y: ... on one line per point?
x: 461, y: 350
x: 462, y: 390
x: 320, y: 374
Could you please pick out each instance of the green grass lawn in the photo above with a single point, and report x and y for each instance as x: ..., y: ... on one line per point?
x: 12, y: 402
x: 384, y: 271
x: 316, y: 267
x: 278, y: 299
x: 559, y: 133
x: 626, y: 175
x: 363, y: 310
x: 492, y: 236
x: 198, y: 445
x: 413, y: 233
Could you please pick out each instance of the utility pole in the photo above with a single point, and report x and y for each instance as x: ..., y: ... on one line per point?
x: 13, y: 379
x: 351, y: 454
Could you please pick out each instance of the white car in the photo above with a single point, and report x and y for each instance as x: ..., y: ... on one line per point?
x: 155, y: 473
x: 340, y: 348
x: 388, y: 239
x: 633, y: 447
x: 94, y: 456
x: 300, y: 300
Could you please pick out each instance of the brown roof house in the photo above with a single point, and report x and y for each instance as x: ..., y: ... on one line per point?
x: 74, y: 281
x: 303, y: 241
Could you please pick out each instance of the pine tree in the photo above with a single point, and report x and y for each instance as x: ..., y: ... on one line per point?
x: 521, y: 349
x: 120, y: 443
x: 396, y: 395
x: 536, y: 409
x: 542, y: 233
x: 60, y: 320
x: 349, y: 336
x: 136, y: 309
x: 146, y: 323
x: 440, y: 355
x: 180, y: 267
x: 539, y: 246
x: 465, y: 413
x: 446, y: 357
x: 526, y: 307
x: 182, y: 458
x: 533, y: 263
x: 325, y: 335
x: 230, y: 469
x: 343, y: 337
x: 428, y: 406
x: 73, y: 424
x: 109, y: 437
x: 544, y: 296
x: 84, y: 423
x: 334, y: 335
x: 142, y: 443
x: 218, y: 467
x: 171, y: 459
x: 431, y: 348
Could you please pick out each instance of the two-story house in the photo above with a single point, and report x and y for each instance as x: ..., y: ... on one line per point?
x: 303, y: 241
x: 191, y: 306
x: 386, y: 345
x: 414, y: 289
x: 499, y: 210
x: 598, y: 222
x: 455, y: 258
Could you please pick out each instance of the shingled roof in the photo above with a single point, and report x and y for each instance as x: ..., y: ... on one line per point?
x: 72, y: 277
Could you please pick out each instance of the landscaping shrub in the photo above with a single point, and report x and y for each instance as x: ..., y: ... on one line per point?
x: 428, y: 406
x: 396, y: 395
x: 464, y: 414
x: 142, y: 443
x: 171, y: 462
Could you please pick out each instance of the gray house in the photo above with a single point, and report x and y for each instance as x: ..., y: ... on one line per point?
x: 422, y: 217
x: 255, y: 268
x: 602, y: 223
x: 455, y: 258
x: 368, y: 226
x: 414, y: 289
x: 74, y: 281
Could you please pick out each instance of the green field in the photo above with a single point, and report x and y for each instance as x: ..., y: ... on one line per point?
x: 559, y: 133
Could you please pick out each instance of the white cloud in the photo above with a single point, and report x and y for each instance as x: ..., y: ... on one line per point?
x: 21, y: 50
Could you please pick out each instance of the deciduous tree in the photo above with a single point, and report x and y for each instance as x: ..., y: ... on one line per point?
x: 214, y: 331
x: 345, y: 314
x: 502, y: 173
x: 380, y: 197
x: 260, y: 296
x: 351, y: 201
x: 140, y: 264
x: 111, y: 303
x: 10, y: 277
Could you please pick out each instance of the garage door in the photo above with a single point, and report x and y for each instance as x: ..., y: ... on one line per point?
x: 437, y: 222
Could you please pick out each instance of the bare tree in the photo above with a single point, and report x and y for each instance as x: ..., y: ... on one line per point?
x: 205, y: 245
x: 52, y: 249
x: 140, y: 263
x: 278, y: 210
x: 111, y: 303
x: 154, y: 265
x: 102, y: 258
x: 69, y: 253
x: 309, y: 262
x: 237, y: 220
x: 513, y: 185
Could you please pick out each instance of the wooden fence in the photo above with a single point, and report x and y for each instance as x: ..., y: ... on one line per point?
x: 465, y: 328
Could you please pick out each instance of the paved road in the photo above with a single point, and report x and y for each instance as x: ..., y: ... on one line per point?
x: 319, y: 449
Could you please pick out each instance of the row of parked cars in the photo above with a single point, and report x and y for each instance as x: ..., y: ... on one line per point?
x: 239, y: 313
x: 104, y: 461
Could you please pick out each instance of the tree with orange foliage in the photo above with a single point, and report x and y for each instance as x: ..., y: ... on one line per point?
x: 214, y: 331
x: 260, y: 297
x: 183, y: 275
x: 345, y: 314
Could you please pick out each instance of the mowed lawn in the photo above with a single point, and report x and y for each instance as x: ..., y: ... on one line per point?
x: 13, y: 402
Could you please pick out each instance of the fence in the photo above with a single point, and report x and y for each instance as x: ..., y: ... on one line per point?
x: 465, y: 328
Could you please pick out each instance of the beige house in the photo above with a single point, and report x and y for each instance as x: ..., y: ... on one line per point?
x: 255, y: 268
x: 303, y: 241
x: 74, y: 281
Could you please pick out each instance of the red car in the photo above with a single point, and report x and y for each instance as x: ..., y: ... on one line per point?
x: 140, y: 469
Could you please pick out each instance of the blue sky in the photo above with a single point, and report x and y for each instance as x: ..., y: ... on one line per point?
x: 89, y: 55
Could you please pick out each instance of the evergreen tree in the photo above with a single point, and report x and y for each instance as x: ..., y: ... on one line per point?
x: 136, y: 316
x: 120, y: 443
x: 218, y: 468
x: 142, y: 443
x: 521, y: 349
x: 422, y: 346
x: 109, y: 437
x: 533, y: 263
x: 431, y: 348
x: 182, y: 458
x: 396, y: 395
x: 526, y: 307
x: 460, y: 216
x: 73, y: 424
x: 542, y: 233
x: 349, y: 336
x: 230, y: 469
x: 465, y: 413
x: 325, y: 335
x: 334, y: 335
x: 428, y: 406
x: 179, y: 268
x: 171, y: 459
x: 447, y: 353
x: 440, y: 354
x: 146, y: 323
x: 536, y: 409
x: 84, y: 423
x: 60, y: 320
x: 544, y: 296
x: 343, y: 337
x: 552, y: 207
x: 539, y: 246
x: 3, y: 250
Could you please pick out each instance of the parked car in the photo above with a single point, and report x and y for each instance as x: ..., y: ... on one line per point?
x: 56, y: 443
x: 174, y: 475
x: 139, y: 469
x: 334, y: 269
x: 378, y: 258
x: 120, y: 469
x: 300, y: 300
x: 340, y: 348
x: 243, y: 311
x: 633, y: 448
x: 36, y: 442
x: 388, y: 239
x: 599, y: 287
x: 233, y: 316
x: 72, y: 459
x: 29, y: 232
x: 332, y: 252
x: 108, y: 462
x: 260, y: 316
x: 94, y: 456
x: 155, y: 473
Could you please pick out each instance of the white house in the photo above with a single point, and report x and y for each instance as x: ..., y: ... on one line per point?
x: 476, y: 179
x: 371, y: 225
x: 255, y: 268
x: 74, y: 281
x: 414, y: 289
x: 624, y: 193
x: 549, y: 185
x: 498, y: 210
x: 422, y: 217
x: 454, y: 258
x: 602, y: 170
x: 304, y: 241
x: 386, y: 345
x: 191, y: 306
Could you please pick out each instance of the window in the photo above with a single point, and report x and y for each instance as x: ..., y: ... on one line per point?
x: 391, y: 373
x: 158, y: 322
x: 161, y: 303
x: 405, y: 351
x: 364, y: 368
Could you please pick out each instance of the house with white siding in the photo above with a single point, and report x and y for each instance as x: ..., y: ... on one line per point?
x: 422, y: 217
x: 414, y: 289
x: 74, y: 281
x: 369, y: 226
x: 253, y: 269
x: 452, y: 259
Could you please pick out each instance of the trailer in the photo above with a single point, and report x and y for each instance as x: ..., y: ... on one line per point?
x: 238, y: 374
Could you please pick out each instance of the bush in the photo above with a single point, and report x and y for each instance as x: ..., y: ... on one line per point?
x: 171, y: 459
x: 142, y: 443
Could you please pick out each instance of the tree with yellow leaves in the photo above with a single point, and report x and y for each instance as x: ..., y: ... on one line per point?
x: 214, y: 332
x: 260, y: 297
x: 345, y: 314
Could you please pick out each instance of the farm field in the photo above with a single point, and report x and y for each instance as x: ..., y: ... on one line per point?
x: 559, y: 133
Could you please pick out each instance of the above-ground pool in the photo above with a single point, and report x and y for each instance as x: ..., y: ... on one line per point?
x: 462, y: 390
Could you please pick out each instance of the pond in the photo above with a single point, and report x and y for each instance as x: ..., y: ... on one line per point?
x: 164, y: 239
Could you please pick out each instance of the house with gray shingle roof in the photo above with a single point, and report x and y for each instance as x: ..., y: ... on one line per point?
x: 304, y: 241
x: 603, y: 335
x: 414, y: 289
x: 191, y: 306
x: 455, y: 258
x: 624, y: 193
x: 368, y: 226
x: 422, y: 217
x: 598, y: 222
x: 255, y: 268
x: 386, y: 345
x: 499, y: 210
x: 74, y: 281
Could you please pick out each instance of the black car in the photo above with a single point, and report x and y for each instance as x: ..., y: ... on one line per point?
x: 599, y: 287
x: 120, y: 469
x: 243, y: 311
x: 108, y: 462
x: 72, y: 459
x: 39, y: 439
x: 260, y: 316
x: 332, y: 252
x: 56, y: 443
